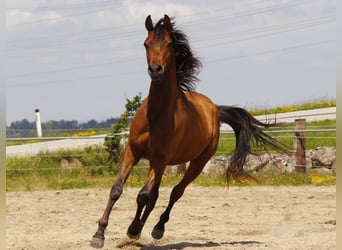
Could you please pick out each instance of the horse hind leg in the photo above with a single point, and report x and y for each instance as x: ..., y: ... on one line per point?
x: 192, y: 173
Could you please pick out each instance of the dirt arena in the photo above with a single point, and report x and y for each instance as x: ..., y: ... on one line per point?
x: 213, y: 218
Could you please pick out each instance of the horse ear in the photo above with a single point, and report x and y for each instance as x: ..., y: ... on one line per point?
x: 148, y: 23
x: 167, y: 23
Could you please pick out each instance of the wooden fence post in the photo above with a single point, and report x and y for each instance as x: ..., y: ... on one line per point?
x: 300, y: 145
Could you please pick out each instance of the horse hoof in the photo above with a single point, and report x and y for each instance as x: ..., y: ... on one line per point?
x: 97, y: 242
x: 133, y: 236
x: 157, y: 233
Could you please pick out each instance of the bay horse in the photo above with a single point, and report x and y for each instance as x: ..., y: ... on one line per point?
x: 175, y: 125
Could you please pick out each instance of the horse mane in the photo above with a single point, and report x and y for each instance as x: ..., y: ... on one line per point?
x: 187, y: 64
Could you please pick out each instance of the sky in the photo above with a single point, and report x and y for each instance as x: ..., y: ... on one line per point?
x: 80, y: 59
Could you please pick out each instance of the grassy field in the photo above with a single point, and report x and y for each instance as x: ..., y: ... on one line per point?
x: 314, y: 139
x: 91, y: 168
x: 321, y: 103
x: 103, y: 177
x: 291, y: 108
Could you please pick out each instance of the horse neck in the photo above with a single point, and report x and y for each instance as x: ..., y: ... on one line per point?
x: 163, y: 96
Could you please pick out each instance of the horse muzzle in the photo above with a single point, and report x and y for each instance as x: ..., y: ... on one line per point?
x: 156, y: 72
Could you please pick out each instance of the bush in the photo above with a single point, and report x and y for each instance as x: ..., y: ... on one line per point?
x: 112, y: 142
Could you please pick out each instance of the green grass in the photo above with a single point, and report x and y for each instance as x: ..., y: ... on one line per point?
x: 92, y: 169
x: 271, y: 179
x: 44, y: 172
x: 71, y: 179
x: 315, y: 104
x: 60, y: 133
x: 313, y: 139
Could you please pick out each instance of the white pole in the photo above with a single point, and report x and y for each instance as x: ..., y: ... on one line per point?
x: 38, y: 124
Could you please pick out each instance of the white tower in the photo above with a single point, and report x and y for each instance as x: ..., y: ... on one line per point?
x: 38, y: 124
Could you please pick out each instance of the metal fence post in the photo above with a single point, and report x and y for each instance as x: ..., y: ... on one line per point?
x: 300, y: 145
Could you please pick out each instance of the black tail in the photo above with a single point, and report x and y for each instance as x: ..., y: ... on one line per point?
x: 249, y: 138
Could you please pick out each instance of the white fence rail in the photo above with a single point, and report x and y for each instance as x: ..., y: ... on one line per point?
x: 73, y: 142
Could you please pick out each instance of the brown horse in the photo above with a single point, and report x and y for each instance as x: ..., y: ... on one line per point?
x: 175, y: 125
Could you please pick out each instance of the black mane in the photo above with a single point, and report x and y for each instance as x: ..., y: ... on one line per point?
x: 187, y: 64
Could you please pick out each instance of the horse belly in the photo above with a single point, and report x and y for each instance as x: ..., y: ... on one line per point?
x: 189, y: 148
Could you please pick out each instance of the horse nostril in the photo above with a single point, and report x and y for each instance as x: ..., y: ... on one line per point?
x: 150, y: 70
x: 159, y: 69
x: 155, y: 70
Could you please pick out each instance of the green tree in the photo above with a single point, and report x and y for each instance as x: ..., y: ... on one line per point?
x: 112, y: 142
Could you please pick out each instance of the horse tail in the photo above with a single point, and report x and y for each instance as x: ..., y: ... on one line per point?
x: 250, y: 137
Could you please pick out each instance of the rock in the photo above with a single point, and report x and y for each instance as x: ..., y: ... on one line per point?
x: 321, y: 170
x: 321, y: 160
x: 72, y: 163
x: 323, y: 156
x: 171, y: 170
x: 215, y: 167
x: 176, y: 169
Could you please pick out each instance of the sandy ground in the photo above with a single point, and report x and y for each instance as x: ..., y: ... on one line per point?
x: 213, y: 218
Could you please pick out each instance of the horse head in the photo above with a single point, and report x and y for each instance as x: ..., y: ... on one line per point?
x: 158, y: 45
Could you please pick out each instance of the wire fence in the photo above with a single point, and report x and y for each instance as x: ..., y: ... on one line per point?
x: 325, y: 136
x: 28, y: 133
x: 13, y: 133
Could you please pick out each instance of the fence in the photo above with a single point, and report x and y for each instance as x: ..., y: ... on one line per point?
x: 299, y: 137
x: 309, y: 115
x: 28, y: 133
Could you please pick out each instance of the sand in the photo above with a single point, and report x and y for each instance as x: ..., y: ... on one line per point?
x: 205, y: 217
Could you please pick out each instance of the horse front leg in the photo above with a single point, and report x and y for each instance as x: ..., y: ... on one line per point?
x: 147, y: 199
x: 98, y: 237
x: 127, y: 163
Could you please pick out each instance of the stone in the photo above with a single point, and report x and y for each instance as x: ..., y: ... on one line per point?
x: 72, y: 163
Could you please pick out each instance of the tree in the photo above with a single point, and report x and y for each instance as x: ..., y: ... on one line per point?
x: 91, y: 124
x: 112, y: 142
x: 23, y: 124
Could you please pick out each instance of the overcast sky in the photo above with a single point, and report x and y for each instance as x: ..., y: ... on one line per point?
x: 79, y: 59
